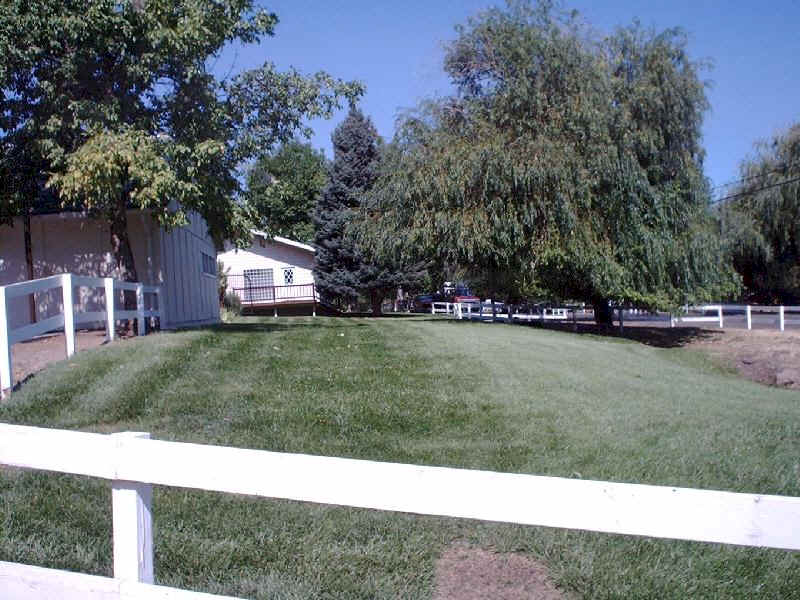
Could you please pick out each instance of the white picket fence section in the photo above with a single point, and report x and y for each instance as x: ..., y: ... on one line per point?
x: 700, y: 319
x: 134, y: 463
x: 69, y: 318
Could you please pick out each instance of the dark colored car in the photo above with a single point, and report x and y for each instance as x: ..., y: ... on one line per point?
x: 422, y: 302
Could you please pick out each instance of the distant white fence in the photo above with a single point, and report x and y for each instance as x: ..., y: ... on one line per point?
x: 706, y: 313
x: 134, y: 463
x: 69, y: 318
x: 471, y: 310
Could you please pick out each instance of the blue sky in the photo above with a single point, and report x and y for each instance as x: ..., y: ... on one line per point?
x: 396, y: 49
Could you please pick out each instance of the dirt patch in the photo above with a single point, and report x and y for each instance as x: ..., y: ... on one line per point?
x: 467, y: 573
x: 770, y: 357
x: 34, y: 355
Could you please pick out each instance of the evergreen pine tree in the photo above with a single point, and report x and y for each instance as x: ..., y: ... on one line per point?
x: 342, y: 269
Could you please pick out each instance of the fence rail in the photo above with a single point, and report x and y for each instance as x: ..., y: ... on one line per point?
x: 781, y: 316
x: 69, y: 318
x: 134, y: 463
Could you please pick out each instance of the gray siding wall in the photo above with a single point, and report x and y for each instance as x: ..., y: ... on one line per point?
x: 190, y: 295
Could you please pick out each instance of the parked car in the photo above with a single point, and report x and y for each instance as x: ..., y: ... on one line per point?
x: 422, y: 302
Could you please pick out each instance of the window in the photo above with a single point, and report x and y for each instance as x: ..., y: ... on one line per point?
x: 258, y: 285
x: 209, y: 264
x: 288, y: 276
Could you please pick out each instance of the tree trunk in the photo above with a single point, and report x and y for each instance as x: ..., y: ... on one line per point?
x: 603, y: 313
x: 123, y: 254
x: 26, y: 220
x: 375, y: 299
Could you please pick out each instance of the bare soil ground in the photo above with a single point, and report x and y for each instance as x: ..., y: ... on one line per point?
x: 34, y: 355
x: 769, y: 357
x: 467, y: 573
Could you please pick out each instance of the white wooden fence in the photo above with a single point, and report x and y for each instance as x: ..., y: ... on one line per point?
x: 69, y: 318
x: 134, y: 463
x: 693, y: 314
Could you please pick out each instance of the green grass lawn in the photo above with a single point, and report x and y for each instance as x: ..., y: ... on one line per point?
x: 435, y: 392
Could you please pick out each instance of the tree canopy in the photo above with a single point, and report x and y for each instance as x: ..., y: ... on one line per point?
x: 344, y: 267
x: 283, y: 189
x: 113, y: 104
x: 760, y: 220
x: 564, y: 165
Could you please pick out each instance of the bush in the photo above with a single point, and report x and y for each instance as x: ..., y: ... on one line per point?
x: 231, y: 306
x: 232, y: 302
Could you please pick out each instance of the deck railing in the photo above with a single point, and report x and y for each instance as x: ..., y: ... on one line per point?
x: 68, y: 318
x: 134, y: 463
x: 252, y: 294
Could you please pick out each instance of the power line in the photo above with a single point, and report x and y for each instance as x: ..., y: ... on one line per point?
x: 784, y: 167
x: 750, y: 192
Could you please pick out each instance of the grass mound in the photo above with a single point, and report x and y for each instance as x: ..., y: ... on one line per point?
x: 421, y: 391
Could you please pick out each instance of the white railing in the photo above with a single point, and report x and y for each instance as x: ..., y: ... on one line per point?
x: 466, y: 310
x: 694, y: 314
x: 134, y: 463
x: 442, y: 308
x: 69, y: 318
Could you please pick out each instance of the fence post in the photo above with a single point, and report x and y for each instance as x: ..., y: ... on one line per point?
x: 5, y: 346
x: 719, y: 314
x: 140, y: 308
x: 749, y: 317
x: 159, y: 313
x: 132, y: 522
x: 69, y: 313
x: 781, y: 321
x: 108, y: 284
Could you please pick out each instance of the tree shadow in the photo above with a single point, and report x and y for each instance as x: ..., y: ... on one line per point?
x: 659, y: 337
x: 261, y: 326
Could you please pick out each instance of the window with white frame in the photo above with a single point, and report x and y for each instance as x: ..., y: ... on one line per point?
x: 288, y: 276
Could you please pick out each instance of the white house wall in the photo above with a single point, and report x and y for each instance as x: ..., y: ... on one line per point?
x: 71, y: 243
x: 275, y: 256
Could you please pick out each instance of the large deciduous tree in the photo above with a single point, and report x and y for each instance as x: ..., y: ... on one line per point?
x: 114, y: 100
x: 564, y: 165
x: 283, y: 189
x: 761, y: 220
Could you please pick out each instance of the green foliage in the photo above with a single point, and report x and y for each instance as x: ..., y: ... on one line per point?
x: 80, y: 79
x: 283, y: 188
x: 564, y: 165
x: 222, y: 280
x: 343, y: 265
x: 761, y: 222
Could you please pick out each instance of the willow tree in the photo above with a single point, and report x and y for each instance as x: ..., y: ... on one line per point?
x: 761, y: 220
x: 114, y: 99
x: 564, y: 165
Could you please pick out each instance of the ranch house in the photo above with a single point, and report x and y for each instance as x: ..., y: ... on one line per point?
x: 182, y: 262
x: 272, y: 275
